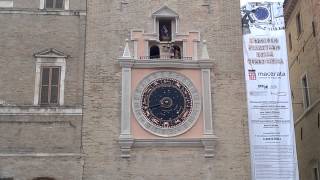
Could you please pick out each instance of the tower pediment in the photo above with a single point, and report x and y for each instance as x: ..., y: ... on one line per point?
x: 165, y: 12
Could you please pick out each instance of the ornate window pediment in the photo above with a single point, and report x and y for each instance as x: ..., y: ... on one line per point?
x: 165, y: 12
x: 50, y: 53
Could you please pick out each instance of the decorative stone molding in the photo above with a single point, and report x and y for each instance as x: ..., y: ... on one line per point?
x: 125, y: 138
x: 37, y: 110
x: 50, y: 57
x: 127, y: 142
x: 40, y: 155
x: 209, y: 143
x: 125, y: 146
x: 42, y: 12
x: 204, y: 54
x: 164, y: 12
x: 126, y: 51
x: 175, y: 63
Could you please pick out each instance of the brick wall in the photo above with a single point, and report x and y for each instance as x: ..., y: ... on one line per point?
x: 109, y: 24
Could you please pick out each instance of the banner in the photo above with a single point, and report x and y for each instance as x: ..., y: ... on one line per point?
x: 271, y: 126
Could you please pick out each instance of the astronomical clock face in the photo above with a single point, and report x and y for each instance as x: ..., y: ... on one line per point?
x: 166, y: 104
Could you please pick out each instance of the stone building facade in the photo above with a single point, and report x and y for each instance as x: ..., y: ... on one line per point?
x: 302, y: 29
x: 87, y: 125
x: 39, y: 139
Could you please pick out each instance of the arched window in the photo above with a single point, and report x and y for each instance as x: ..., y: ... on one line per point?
x: 154, y: 52
x: 43, y: 178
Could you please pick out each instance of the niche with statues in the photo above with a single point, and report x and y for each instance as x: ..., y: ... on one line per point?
x: 166, y: 41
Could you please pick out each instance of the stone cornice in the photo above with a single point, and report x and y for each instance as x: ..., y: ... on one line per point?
x: 208, y: 142
x: 39, y: 110
x: 43, y: 12
x: 306, y: 112
x: 41, y: 155
x: 179, y: 64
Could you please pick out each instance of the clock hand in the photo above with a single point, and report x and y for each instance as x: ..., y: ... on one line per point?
x: 151, y: 107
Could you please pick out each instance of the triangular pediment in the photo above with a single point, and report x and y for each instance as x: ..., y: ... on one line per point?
x: 51, y: 53
x: 165, y: 11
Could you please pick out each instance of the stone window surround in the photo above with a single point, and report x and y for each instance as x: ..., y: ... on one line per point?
x: 66, y: 5
x: 166, y: 13
x: 304, y: 75
x: 299, y: 25
x: 49, y: 61
x: 315, y: 169
x: 316, y: 173
x: 126, y: 140
x: 6, y: 3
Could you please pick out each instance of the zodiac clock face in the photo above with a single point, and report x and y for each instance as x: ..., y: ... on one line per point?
x: 166, y: 104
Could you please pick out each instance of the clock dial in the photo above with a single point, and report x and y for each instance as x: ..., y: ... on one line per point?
x: 166, y: 103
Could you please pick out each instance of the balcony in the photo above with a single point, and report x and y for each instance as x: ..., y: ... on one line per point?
x: 164, y: 57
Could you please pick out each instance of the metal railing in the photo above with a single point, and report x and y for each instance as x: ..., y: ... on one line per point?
x: 164, y: 58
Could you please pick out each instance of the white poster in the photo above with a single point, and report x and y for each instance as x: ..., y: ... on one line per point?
x: 271, y: 126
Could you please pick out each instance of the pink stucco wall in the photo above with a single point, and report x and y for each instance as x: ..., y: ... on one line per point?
x: 194, y: 75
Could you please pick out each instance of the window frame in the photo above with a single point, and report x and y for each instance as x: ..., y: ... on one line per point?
x: 299, y: 24
x: 316, y: 175
x: 50, y: 103
x: 314, y: 33
x: 305, y: 91
x: 49, y: 62
x: 54, y: 4
x: 66, y: 5
x: 290, y: 41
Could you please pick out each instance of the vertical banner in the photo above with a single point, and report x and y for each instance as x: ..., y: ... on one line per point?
x: 271, y: 127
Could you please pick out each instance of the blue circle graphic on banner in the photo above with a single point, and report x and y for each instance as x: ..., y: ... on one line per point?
x: 261, y: 13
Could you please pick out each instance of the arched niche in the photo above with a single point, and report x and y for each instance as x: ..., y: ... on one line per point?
x: 176, y: 52
x: 154, y: 52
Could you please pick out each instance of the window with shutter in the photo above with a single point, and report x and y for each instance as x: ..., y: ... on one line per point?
x: 49, y: 88
x: 54, y: 4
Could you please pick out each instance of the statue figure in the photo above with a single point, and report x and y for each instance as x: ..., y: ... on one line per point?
x: 164, y: 33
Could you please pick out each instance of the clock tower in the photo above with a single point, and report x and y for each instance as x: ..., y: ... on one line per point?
x: 166, y: 88
x: 164, y: 91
